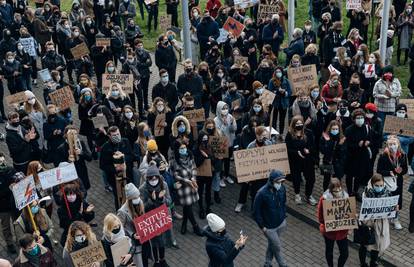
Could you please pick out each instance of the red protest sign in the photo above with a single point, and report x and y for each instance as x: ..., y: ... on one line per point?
x: 233, y: 26
x: 153, y: 223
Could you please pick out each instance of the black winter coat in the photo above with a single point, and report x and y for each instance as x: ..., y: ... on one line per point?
x: 356, y: 155
x: 221, y: 250
x: 20, y: 150
x: 6, y: 195
x: 168, y: 93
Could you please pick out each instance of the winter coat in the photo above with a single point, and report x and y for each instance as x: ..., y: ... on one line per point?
x: 21, y: 225
x: 86, y: 124
x: 165, y: 58
x: 356, y: 155
x: 205, y: 29
x: 185, y: 171
x: 21, y: 151
x: 38, y: 118
x: 227, y: 125
x: 327, y: 96
x: 144, y: 63
x: 53, y: 141
x: 65, y: 220
x: 42, y: 33
x: 310, y: 59
x: 267, y: 36
x: 168, y: 93
x: 294, y: 145
x: 386, y: 165
x: 53, y: 60
x: 333, y: 152
x: 46, y: 259
x: 281, y: 101
x: 6, y: 14
x: 296, y: 47
x: 331, y: 42
x: 192, y: 84
x: 6, y: 196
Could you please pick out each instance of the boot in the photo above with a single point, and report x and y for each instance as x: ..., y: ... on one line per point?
x: 184, y: 226
x: 208, y: 210
x: 163, y: 263
x: 411, y: 228
x: 217, y: 198
x: 374, y: 258
x: 197, y: 230
x: 202, y: 213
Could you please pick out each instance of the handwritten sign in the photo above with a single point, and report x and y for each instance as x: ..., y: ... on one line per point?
x: 378, y: 208
x: 80, y: 51
x: 301, y: 78
x: 24, y: 192
x: 353, y: 4
x: 126, y: 81
x: 153, y: 223
x: 57, y: 176
x: 29, y: 46
x: 159, y: 125
x: 256, y: 163
x: 233, y: 26
x: 267, y: 97
x: 101, y: 42
x: 219, y: 146
x: 340, y: 214
x: 402, y: 126
x: 245, y: 3
x: 369, y: 70
x: 165, y: 22
x: 45, y: 75
x: 85, y: 257
x: 223, y: 36
x: 410, y: 107
x: 266, y: 11
x: 204, y: 169
x: 120, y: 249
x: 16, y: 98
x: 195, y: 115
x: 100, y: 121
x: 62, y: 98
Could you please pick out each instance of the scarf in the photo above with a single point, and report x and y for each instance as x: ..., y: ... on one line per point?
x: 33, y: 259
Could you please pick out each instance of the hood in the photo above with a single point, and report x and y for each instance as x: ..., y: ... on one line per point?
x: 74, y: 2
x: 174, y: 127
x: 219, y: 107
x: 12, y: 128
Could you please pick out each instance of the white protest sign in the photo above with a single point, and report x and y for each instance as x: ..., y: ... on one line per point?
x: 45, y: 75
x: 29, y: 46
x: 24, y: 192
x: 378, y: 208
x: 223, y: 36
x: 353, y: 4
x: 369, y: 70
x: 59, y: 175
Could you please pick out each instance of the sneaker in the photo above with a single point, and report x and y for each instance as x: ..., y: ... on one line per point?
x: 11, y: 248
x: 108, y: 189
x: 397, y: 224
x: 229, y: 180
x: 34, y: 81
x: 222, y: 183
x: 312, y: 201
x: 239, y: 207
x: 298, y: 199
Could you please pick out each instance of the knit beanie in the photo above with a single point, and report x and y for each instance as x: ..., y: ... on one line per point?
x: 215, y: 222
x: 131, y: 191
x: 153, y: 171
x: 152, y: 145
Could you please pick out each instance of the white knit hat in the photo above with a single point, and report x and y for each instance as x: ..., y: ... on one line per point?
x: 215, y: 222
x: 131, y: 191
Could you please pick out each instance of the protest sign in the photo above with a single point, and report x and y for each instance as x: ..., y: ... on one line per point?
x: 149, y: 2
x: 85, y: 257
x: 333, y: 69
x: 45, y: 75
x: 402, y: 126
x: 301, y: 78
x: 204, y: 169
x: 29, y: 46
x: 353, y: 4
x: 369, y: 70
x: 153, y: 223
x: 233, y: 26
x: 24, y: 192
x: 378, y: 208
x: 16, y: 98
x: 239, y: 60
x: 267, y: 97
x: 223, y: 36
x: 266, y: 11
x: 245, y: 3
x: 219, y: 146
x: 120, y: 249
x: 256, y: 163
x: 39, y: 1
x: 100, y: 121
x: 126, y: 81
x: 165, y: 22
x: 57, y: 176
x: 101, y: 42
x: 62, y: 98
x: 410, y: 106
x: 195, y: 115
x: 79, y: 51
x: 159, y: 125
x: 340, y: 214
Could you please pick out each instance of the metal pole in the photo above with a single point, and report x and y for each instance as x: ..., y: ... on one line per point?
x: 384, y: 29
x: 186, y: 29
x: 291, y: 18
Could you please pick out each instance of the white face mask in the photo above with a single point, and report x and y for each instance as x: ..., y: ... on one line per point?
x: 111, y: 69
x: 360, y: 53
x: 400, y: 114
x: 359, y: 122
x: 129, y: 115
x: 31, y: 101
x: 224, y: 112
x: 76, y: 34
x: 136, y: 201
x: 369, y: 115
x: 164, y: 79
x: 220, y: 75
x: 393, y: 148
x: 20, y: 47
x: 277, y: 186
x: 80, y: 238
x: 153, y: 182
x: 308, y: 28
x: 10, y: 60
x: 372, y: 60
x: 160, y: 108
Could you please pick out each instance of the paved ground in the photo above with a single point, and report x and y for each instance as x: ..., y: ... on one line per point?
x: 303, y: 245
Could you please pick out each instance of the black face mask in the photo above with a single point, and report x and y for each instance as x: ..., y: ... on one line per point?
x: 303, y: 104
x: 223, y: 233
x: 354, y: 87
x: 299, y: 127
x: 343, y: 111
x: 210, y: 131
x: 15, y: 124
x: 116, y: 230
x: 52, y: 118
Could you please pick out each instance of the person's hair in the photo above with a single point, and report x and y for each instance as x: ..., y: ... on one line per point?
x: 394, y: 138
x: 210, y: 121
x: 311, y: 48
x: 378, y: 59
x: 36, y: 107
x: 298, y: 32
x: 334, y: 123
x: 162, y: 71
x: 292, y: 125
x: 122, y: 94
x: 334, y: 183
x: 357, y: 112
x: 352, y: 33
x: 153, y: 108
x: 376, y: 178
x: 134, y: 212
x: 26, y: 240
x: 32, y: 170
x: 110, y: 221
x: 112, y: 129
x: 260, y: 130
x: 137, y: 41
x: 86, y: 230
x: 365, y: 56
x: 68, y: 128
x: 341, y: 54
x: 187, y: 61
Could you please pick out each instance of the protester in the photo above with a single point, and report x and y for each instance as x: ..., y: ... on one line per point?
x: 32, y: 253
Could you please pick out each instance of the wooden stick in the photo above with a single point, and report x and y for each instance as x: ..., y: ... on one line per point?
x: 32, y: 219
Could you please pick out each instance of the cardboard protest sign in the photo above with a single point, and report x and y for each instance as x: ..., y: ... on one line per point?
x: 159, y: 125
x: 79, y: 51
x: 126, y: 81
x: 100, y: 121
x: 402, y: 126
x: 353, y: 4
x: 24, y: 192
x: 239, y: 59
x: 233, y: 26
x: 86, y: 256
x: 340, y: 214
x: 16, y: 98
x: 153, y: 223
x: 165, y: 22
x: 205, y: 169
x: 266, y: 11
x: 219, y: 146
x: 302, y: 77
x: 223, y: 36
x: 45, y: 75
x: 245, y: 3
x: 58, y: 175
x: 120, y: 249
x: 29, y: 46
x: 267, y: 97
x: 410, y: 107
x: 256, y: 163
x: 101, y: 42
x: 62, y: 98
x: 378, y: 208
x: 195, y: 115
x: 369, y: 70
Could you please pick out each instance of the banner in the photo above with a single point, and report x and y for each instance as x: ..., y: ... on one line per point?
x: 29, y: 46
x: 45, y: 75
x: 340, y: 214
x: 62, y: 98
x: 245, y: 3
x: 266, y: 11
x: 120, y: 249
x: 24, y: 192
x: 256, y: 163
x: 410, y: 106
x: 153, y: 223
x: 195, y: 115
x: 219, y: 146
x: 378, y: 208
x: 204, y: 169
x: 86, y: 256
x: 57, y: 176
x: 301, y: 78
x: 402, y: 126
x: 353, y: 4
x: 126, y: 81
x: 159, y: 125
x: 16, y: 98
x: 233, y: 26
x: 100, y: 121
x: 79, y: 51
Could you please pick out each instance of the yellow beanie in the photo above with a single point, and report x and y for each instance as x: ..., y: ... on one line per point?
x: 152, y: 145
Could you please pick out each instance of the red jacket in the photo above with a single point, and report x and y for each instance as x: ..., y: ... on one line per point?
x: 328, y: 97
x: 334, y: 235
x: 213, y: 7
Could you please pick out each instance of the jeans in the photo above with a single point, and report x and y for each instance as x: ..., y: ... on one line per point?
x: 274, y: 245
x: 281, y: 113
x: 343, y: 251
x: 5, y: 218
x: 215, y: 184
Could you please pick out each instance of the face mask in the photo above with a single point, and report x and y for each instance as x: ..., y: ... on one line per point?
x: 223, y: 233
x: 126, y: 1
x: 315, y: 94
x: 408, y: 11
x: 299, y: 127
x: 224, y: 112
x: 136, y: 201
x: 147, y: 133
x: 388, y: 76
x: 80, y: 238
x: 337, y: 194
x: 257, y: 109
x: 343, y: 111
x: 115, y: 93
x: 183, y: 151
x: 35, y: 209
x: 400, y: 114
x: 130, y: 61
x: 71, y: 198
x: 259, y: 91
x: 88, y: 22
x: 164, y: 79
x: 155, y: 182
x: 279, y: 75
x: 14, y: 124
x: 277, y: 186
x: 111, y: 69
x: 34, y: 251
x: 10, y: 60
x: 116, y: 138
x: 303, y: 104
x: 181, y: 129
x: 220, y: 74
x: 188, y: 70
x: 129, y: 115
x: 295, y: 64
x: 360, y: 53
x: 335, y: 82
x: 371, y: 60
x: 87, y: 98
x: 31, y: 101
x: 359, y: 122
x: 354, y: 86
x: 20, y: 48
x: 378, y: 188
x: 369, y: 115
x: 76, y: 34
x: 334, y: 132
x: 116, y: 230
x: 393, y: 148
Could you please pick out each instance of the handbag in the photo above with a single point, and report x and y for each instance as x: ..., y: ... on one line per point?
x: 364, y: 235
x: 390, y: 183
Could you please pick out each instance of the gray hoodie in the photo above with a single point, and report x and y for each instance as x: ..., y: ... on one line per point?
x: 226, y: 124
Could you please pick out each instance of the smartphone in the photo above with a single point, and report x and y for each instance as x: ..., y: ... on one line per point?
x: 241, y: 232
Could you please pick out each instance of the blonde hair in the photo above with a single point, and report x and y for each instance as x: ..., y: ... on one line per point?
x: 36, y: 107
x: 311, y: 48
x: 110, y: 221
x: 118, y: 86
